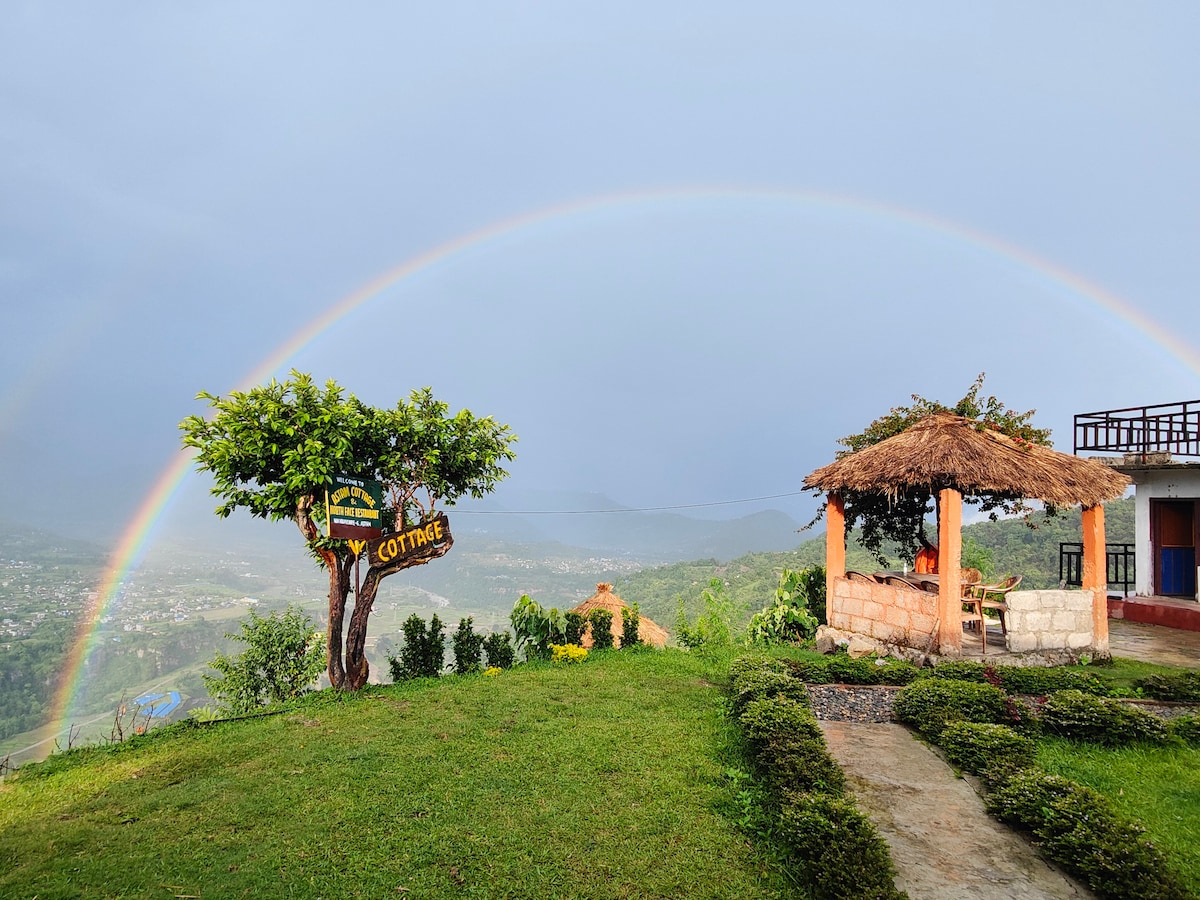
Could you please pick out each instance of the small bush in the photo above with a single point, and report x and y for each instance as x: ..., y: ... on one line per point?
x: 1111, y: 723
x: 1039, y: 680
x: 1077, y: 828
x: 601, y: 622
x: 630, y: 620
x: 869, y: 670
x: 757, y: 685
x: 844, y: 858
x: 576, y: 625
x: 981, y: 747
x: 1186, y: 729
x: 424, y: 650
x: 1180, y: 687
x: 812, y: 671
x: 931, y: 703
x: 499, y: 649
x: 468, y: 648
x: 788, y: 746
x: 284, y: 655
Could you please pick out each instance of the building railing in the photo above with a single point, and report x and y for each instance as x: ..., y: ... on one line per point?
x: 1164, y: 428
x: 1119, y: 565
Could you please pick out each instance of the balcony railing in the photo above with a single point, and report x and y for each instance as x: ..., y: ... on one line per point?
x: 1165, y: 428
x: 1119, y: 559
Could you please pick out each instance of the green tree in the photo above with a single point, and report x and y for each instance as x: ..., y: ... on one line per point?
x: 283, y: 657
x: 272, y: 450
x: 901, y: 519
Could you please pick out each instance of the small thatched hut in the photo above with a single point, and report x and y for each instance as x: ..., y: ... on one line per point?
x: 648, y: 631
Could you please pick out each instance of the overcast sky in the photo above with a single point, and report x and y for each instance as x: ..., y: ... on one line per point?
x: 709, y: 238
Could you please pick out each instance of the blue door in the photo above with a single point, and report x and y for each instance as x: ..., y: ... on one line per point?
x: 1178, y: 571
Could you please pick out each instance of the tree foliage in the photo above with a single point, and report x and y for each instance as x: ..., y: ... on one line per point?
x: 274, y: 449
x: 902, y: 519
x: 792, y: 614
x: 282, y: 659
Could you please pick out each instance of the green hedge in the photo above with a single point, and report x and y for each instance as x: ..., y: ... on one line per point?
x: 1181, y: 687
x: 831, y: 848
x: 982, y: 748
x: 932, y: 703
x: 1111, y: 723
x: 844, y: 857
x: 1078, y: 828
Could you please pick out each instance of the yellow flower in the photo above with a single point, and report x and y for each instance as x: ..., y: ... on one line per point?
x: 492, y: 671
x: 567, y: 653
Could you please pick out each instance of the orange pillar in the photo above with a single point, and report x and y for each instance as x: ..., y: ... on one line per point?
x: 1095, y: 574
x: 835, y: 548
x: 949, y: 634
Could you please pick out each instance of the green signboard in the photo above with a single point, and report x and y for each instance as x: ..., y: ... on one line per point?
x: 353, y: 508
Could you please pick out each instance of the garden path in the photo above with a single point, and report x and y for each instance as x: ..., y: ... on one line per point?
x: 943, y: 842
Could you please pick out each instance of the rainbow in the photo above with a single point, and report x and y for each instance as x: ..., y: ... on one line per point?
x: 138, y: 533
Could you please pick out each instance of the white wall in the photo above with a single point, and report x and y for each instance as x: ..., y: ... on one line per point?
x: 1180, y: 484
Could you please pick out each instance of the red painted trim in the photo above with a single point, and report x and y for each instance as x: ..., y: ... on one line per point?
x: 1186, y: 618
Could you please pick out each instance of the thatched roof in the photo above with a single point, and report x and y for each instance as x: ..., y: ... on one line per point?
x: 948, y: 451
x: 648, y: 631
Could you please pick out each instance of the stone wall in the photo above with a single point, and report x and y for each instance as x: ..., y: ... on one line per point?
x: 888, y: 614
x: 1049, y: 620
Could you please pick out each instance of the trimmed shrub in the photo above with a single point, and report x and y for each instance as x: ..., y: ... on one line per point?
x: 981, y: 747
x: 930, y: 704
x: 468, y: 648
x: 788, y: 746
x: 757, y: 685
x: 812, y: 671
x: 576, y: 625
x: 1186, y: 729
x: 1180, y: 687
x: 844, y: 858
x: 423, y: 653
x: 499, y: 649
x: 869, y: 670
x: 630, y: 619
x: 1081, y: 716
x: 1077, y: 828
x: 1039, y: 680
x: 601, y: 622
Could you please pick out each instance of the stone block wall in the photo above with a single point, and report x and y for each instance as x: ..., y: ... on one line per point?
x: 888, y: 614
x: 1049, y: 620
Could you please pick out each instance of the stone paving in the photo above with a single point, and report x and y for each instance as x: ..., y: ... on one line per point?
x: 1153, y: 643
x: 943, y: 842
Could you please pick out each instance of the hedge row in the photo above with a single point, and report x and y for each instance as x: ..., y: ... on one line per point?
x: 1074, y: 825
x: 1035, y: 680
x: 836, y: 852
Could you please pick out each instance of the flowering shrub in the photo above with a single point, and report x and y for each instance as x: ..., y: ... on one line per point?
x: 492, y: 671
x: 567, y: 653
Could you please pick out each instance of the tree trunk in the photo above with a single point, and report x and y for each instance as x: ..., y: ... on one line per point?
x: 357, y: 667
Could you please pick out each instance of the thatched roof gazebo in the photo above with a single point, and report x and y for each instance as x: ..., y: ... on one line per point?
x: 951, y: 456
x: 649, y: 632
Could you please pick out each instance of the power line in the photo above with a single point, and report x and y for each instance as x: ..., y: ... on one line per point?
x: 589, y: 512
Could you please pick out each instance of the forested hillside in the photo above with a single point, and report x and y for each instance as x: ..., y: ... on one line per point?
x: 1001, y: 548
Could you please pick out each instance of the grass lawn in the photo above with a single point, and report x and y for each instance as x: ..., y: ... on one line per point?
x: 603, y: 779
x: 1156, y: 786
